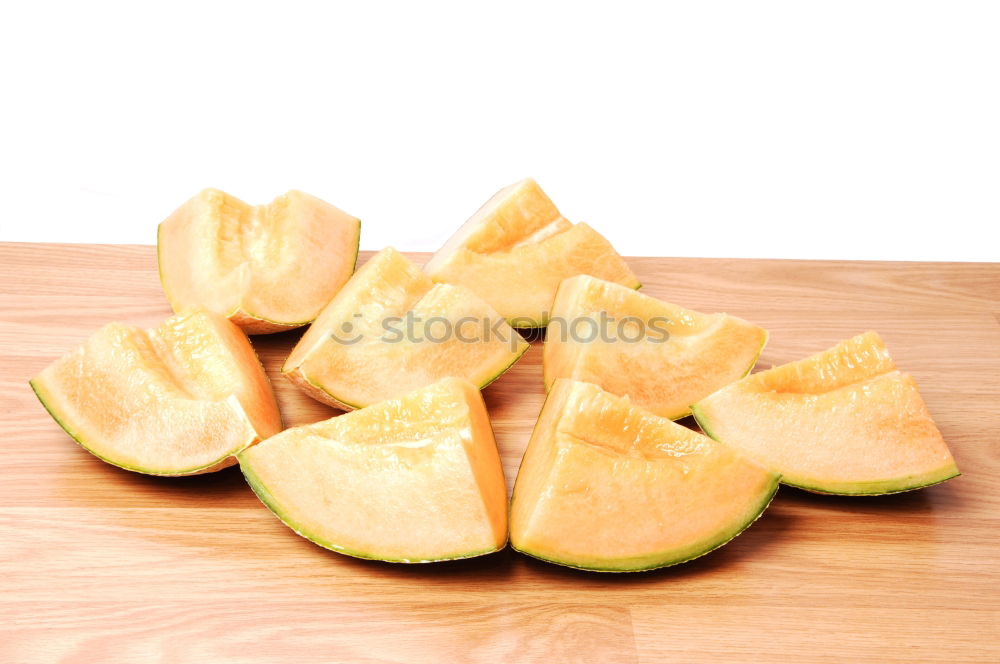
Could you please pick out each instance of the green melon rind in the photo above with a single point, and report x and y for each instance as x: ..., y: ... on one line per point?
x: 874, y: 488
x: 668, y: 560
x: 319, y: 392
x: 527, y: 323
x: 347, y: 405
x: 883, y: 488
x: 278, y: 326
x: 274, y: 505
x: 42, y: 393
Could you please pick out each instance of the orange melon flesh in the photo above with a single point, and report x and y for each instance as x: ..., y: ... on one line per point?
x: 268, y: 268
x: 662, y: 356
x: 607, y: 486
x: 413, y: 479
x: 179, y: 399
x: 358, y: 352
x: 516, y: 250
x: 844, y: 421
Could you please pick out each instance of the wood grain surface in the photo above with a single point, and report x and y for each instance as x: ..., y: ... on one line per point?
x: 98, y: 564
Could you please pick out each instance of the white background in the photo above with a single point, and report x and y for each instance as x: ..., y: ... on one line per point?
x: 765, y: 129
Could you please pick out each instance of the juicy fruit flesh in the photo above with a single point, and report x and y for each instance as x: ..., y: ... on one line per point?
x: 516, y: 250
x: 844, y: 421
x: 237, y: 260
x: 608, y: 486
x: 414, y: 479
x: 516, y: 215
x: 701, y: 352
x: 349, y: 359
x: 178, y: 399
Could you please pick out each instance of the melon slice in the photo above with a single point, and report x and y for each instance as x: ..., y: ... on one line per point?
x: 516, y: 250
x: 607, y: 486
x: 267, y: 268
x: 662, y: 356
x: 414, y: 479
x: 179, y: 399
x: 844, y: 421
x: 391, y: 330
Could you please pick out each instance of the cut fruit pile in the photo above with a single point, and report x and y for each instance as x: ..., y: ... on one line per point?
x: 608, y: 481
x: 413, y: 479
x: 843, y: 421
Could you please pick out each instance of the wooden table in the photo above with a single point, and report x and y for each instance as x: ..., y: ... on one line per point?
x: 102, y: 565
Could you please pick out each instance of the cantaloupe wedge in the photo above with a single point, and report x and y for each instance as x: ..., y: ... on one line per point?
x: 391, y: 330
x: 414, y: 479
x: 268, y: 268
x: 662, y: 356
x: 516, y: 250
x: 605, y: 485
x: 179, y: 399
x: 843, y: 421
